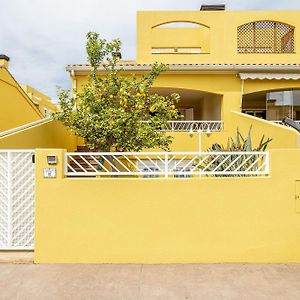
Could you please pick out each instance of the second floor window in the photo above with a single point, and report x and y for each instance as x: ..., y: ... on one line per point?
x: 265, y: 37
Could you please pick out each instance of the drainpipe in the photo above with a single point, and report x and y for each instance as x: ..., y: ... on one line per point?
x: 74, y: 86
x: 242, y: 94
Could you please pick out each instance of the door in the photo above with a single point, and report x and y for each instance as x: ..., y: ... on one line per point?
x: 17, y: 187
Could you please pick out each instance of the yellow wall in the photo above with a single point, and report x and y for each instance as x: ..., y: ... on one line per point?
x: 252, y: 86
x: 230, y: 87
x: 223, y: 36
x: 51, y: 134
x: 184, y: 142
x: 283, y: 137
x: 15, y: 107
x: 227, y: 85
x: 168, y: 220
x: 189, y: 38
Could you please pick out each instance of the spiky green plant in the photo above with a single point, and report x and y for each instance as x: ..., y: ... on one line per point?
x: 242, y: 162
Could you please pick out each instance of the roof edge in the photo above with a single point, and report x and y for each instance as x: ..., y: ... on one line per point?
x: 83, y: 68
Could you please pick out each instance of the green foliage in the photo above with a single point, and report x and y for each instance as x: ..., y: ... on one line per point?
x: 234, y: 162
x: 241, y: 144
x: 115, y: 111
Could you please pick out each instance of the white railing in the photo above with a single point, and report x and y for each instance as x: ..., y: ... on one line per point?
x: 166, y: 164
x: 282, y: 123
x: 24, y: 127
x: 205, y: 126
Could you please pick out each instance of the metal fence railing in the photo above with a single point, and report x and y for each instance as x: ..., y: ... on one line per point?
x: 195, y: 125
x: 282, y: 123
x: 166, y: 164
x: 204, y: 126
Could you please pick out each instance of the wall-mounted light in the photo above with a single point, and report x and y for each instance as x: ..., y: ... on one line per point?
x: 51, y: 159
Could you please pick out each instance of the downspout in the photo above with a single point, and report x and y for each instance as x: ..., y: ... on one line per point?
x: 74, y: 86
x: 242, y: 94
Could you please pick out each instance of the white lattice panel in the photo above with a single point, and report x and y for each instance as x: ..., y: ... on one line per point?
x: 4, y: 199
x: 17, y: 184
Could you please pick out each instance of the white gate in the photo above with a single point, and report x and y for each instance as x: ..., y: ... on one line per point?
x: 17, y: 186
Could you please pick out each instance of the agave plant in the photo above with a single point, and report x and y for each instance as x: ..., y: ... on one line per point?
x: 235, y: 162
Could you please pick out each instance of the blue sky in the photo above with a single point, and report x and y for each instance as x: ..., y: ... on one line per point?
x: 42, y: 36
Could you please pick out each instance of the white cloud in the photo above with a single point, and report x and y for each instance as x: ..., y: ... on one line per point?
x: 42, y: 37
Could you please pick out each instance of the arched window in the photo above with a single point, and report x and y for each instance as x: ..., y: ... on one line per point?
x: 178, y: 24
x: 265, y: 37
x: 180, y: 37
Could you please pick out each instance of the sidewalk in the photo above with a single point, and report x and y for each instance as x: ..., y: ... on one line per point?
x: 145, y: 282
x: 16, y: 257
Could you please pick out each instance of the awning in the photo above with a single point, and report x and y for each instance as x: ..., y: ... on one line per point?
x: 270, y: 76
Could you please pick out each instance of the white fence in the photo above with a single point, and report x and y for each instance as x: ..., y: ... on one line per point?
x: 17, y: 185
x: 205, y: 126
x: 282, y: 123
x: 166, y: 164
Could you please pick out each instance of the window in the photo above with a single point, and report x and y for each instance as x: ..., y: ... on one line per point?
x: 265, y: 37
x: 180, y: 38
x: 178, y: 24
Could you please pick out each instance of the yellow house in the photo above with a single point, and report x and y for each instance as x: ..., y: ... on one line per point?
x: 221, y: 63
x: 40, y: 100
x: 232, y: 69
x: 16, y: 107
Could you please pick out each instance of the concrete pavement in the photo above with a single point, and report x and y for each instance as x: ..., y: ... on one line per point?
x: 145, y: 282
x: 16, y: 257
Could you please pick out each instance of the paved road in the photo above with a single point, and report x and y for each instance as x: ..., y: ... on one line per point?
x: 145, y: 282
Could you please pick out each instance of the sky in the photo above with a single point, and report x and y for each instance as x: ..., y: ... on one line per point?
x: 42, y: 36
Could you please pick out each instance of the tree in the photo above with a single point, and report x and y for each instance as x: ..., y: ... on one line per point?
x: 117, y: 112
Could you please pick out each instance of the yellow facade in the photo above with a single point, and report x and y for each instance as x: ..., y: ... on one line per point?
x: 216, y: 35
x: 41, y: 101
x: 207, y: 53
x: 16, y: 107
x: 185, y: 220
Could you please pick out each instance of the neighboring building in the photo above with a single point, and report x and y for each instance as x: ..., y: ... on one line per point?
x: 40, y: 100
x: 16, y: 107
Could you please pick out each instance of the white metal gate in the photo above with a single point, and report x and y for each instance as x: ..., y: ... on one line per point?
x: 17, y: 186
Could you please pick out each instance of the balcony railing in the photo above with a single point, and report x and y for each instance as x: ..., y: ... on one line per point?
x: 166, y: 164
x: 205, y: 126
x: 282, y: 123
